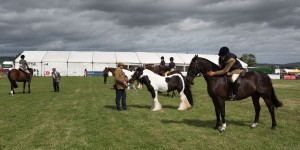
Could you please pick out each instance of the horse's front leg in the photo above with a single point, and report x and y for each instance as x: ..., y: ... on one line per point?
x: 222, y: 108
x: 217, y: 111
x: 28, y: 87
x: 156, y: 105
x: 24, y: 84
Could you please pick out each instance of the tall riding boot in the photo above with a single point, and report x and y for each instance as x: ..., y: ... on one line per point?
x: 234, y: 90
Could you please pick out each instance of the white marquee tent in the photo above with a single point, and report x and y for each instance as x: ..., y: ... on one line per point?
x: 73, y: 63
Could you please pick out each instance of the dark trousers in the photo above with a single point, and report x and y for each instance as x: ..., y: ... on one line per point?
x: 56, y: 86
x: 121, y: 94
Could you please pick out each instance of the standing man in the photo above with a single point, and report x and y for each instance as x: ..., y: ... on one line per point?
x: 120, y: 86
x: 231, y: 66
x: 56, y: 78
x: 24, y: 67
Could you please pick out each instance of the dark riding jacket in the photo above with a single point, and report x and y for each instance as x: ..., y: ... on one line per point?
x: 230, y: 65
x: 172, y: 65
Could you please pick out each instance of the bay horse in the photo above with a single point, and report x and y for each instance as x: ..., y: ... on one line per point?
x: 160, y: 70
x: 106, y: 71
x: 15, y: 76
x: 254, y: 84
x: 155, y: 83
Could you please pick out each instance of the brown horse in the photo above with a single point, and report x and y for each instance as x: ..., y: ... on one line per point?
x: 106, y: 71
x: 15, y: 76
x: 160, y: 70
x: 254, y: 84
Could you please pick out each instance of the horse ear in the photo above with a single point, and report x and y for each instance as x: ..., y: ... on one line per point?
x: 196, y: 55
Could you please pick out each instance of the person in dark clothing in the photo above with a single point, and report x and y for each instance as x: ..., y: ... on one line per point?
x: 231, y: 66
x: 120, y: 85
x: 162, y: 62
x: 172, y: 65
x: 56, y: 78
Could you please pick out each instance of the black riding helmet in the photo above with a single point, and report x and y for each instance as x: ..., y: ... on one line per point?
x: 171, y: 59
x: 223, y: 51
x: 22, y: 56
x: 162, y: 57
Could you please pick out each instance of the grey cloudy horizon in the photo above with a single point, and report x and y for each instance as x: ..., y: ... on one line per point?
x: 269, y: 29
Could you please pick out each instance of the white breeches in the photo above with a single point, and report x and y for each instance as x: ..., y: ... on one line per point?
x: 234, y: 77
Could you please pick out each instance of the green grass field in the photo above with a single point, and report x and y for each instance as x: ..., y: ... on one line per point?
x: 83, y: 116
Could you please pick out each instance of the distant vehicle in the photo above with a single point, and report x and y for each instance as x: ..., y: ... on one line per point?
x: 8, y: 65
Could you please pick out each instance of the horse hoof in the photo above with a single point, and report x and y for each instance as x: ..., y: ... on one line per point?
x: 254, y: 125
x: 273, y: 127
x: 155, y: 109
x: 222, y: 130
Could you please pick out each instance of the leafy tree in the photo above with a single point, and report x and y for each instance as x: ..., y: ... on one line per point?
x: 250, y: 59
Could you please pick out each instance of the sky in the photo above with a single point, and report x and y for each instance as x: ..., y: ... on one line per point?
x: 269, y: 29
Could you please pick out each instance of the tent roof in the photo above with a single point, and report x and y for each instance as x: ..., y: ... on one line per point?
x: 32, y: 56
x: 127, y: 57
x: 81, y: 56
x: 56, y: 56
x: 113, y: 57
x: 292, y: 70
x: 148, y: 58
x: 104, y: 57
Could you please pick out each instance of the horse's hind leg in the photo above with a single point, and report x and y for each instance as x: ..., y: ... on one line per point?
x: 12, y: 92
x: 255, y: 100
x: 270, y: 106
x: 184, y: 105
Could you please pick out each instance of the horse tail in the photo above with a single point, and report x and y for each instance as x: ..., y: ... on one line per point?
x: 12, y: 82
x: 275, y: 100
x: 187, y: 89
x: 188, y: 93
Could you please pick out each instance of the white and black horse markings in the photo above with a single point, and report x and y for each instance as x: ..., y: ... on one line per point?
x: 155, y: 83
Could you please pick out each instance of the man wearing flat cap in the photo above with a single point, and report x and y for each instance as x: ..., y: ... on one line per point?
x: 120, y: 86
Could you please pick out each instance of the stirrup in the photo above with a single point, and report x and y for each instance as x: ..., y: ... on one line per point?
x: 232, y: 98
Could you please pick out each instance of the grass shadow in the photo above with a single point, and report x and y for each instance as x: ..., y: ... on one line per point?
x: 202, y: 123
x: 140, y: 106
x: 110, y: 107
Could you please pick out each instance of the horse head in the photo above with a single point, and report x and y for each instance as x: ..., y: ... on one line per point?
x: 137, y: 74
x: 200, y: 65
x: 193, y: 70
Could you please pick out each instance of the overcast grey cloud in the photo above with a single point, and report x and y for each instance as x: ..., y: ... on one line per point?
x: 269, y: 29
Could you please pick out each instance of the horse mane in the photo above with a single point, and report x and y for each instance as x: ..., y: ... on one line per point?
x: 214, y: 67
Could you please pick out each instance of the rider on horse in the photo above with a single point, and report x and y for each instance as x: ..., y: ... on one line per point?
x: 231, y: 66
x: 162, y: 66
x: 24, y: 67
x: 171, y: 66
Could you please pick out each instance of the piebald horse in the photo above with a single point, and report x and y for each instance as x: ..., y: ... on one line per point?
x: 155, y: 83
x: 254, y: 84
x: 15, y: 76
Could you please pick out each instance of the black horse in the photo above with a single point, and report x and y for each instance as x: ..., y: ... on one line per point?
x: 16, y: 75
x: 254, y: 84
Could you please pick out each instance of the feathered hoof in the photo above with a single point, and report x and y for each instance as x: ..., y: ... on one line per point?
x: 157, y: 107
